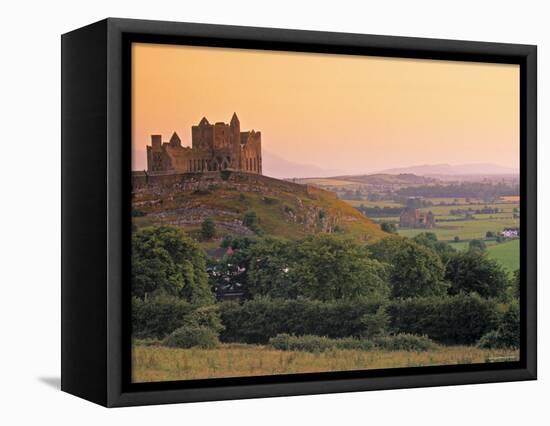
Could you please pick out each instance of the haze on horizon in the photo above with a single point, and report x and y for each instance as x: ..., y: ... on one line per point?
x: 335, y: 113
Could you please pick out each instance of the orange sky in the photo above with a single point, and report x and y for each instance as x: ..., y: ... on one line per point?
x: 349, y: 114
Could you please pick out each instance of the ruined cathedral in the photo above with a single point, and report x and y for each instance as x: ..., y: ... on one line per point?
x: 214, y: 147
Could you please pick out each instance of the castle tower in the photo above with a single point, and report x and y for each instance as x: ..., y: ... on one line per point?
x: 235, y: 140
x: 175, y: 140
x: 156, y: 142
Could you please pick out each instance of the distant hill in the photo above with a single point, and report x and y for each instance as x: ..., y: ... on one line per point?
x: 386, y: 178
x: 374, y: 179
x: 280, y: 168
x: 456, y: 170
x: 283, y: 209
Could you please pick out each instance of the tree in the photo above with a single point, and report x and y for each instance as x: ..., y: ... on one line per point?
x: 321, y: 267
x: 489, y: 234
x: 166, y: 261
x: 208, y: 229
x: 477, y: 245
x: 472, y: 271
x: 429, y: 240
x: 415, y: 270
x: 456, y: 239
x: 516, y: 284
x: 389, y: 227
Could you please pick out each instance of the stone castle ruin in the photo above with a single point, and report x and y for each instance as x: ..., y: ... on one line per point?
x: 218, y: 146
x: 413, y: 218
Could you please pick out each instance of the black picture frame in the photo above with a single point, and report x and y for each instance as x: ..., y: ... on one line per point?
x: 96, y: 211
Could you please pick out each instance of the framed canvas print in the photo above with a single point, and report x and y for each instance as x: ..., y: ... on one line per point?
x: 253, y: 212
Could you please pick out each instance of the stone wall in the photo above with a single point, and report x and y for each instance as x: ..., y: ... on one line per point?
x: 240, y: 181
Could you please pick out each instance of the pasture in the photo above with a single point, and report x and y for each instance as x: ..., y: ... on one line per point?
x: 476, y: 226
x: 158, y: 363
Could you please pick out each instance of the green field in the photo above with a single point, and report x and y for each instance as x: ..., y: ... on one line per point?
x: 506, y: 253
x: 451, y: 226
x: 464, y: 229
x: 159, y: 363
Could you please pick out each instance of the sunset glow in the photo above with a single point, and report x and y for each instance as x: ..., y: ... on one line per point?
x: 344, y: 114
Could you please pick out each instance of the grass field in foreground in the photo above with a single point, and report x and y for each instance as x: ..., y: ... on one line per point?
x: 158, y: 363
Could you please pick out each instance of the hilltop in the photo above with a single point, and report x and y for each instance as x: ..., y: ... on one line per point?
x: 283, y: 209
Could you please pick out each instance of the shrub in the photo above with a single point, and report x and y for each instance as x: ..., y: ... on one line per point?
x: 225, y: 174
x: 192, y: 336
x: 375, y: 324
x: 490, y: 340
x: 477, y: 245
x: 308, y: 343
x: 507, y: 335
x: 405, y: 342
x: 389, y: 227
x: 208, y: 229
x: 158, y: 317
x: 256, y: 321
x: 250, y: 220
x: 460, y: 319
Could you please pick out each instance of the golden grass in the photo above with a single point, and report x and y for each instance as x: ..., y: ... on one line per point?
x: 158, y: 363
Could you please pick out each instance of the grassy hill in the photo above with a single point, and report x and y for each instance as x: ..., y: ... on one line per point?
x: 283, y: 209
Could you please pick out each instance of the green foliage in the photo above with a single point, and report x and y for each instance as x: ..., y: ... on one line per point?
x: 256, y: 321
x: 460, y: 319
x: 472, y: 271
x: 250, y: 220
x: 507, y: 335
x: 320, y: 267
x: 375, y: 324
x: 456, y: 239
x: 477, y: 245
x: 516, y: 284
x: 166, y: 261
x: 208, y: 229
x: 429, y: 240
x: 192, y: 336
x: 157, y: 317
x: 317, y: 344
x: 405, y: 342
x: 238, y: 243
x: 137, y: 213
x: 389, y: 227
x: 415, y: 270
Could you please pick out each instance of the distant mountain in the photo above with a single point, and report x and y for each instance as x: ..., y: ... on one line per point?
x: 387, y: 178
x: 481, y: 169
x: 277, y: 167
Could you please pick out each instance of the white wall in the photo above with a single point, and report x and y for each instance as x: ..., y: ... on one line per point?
x: 30, y: 210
